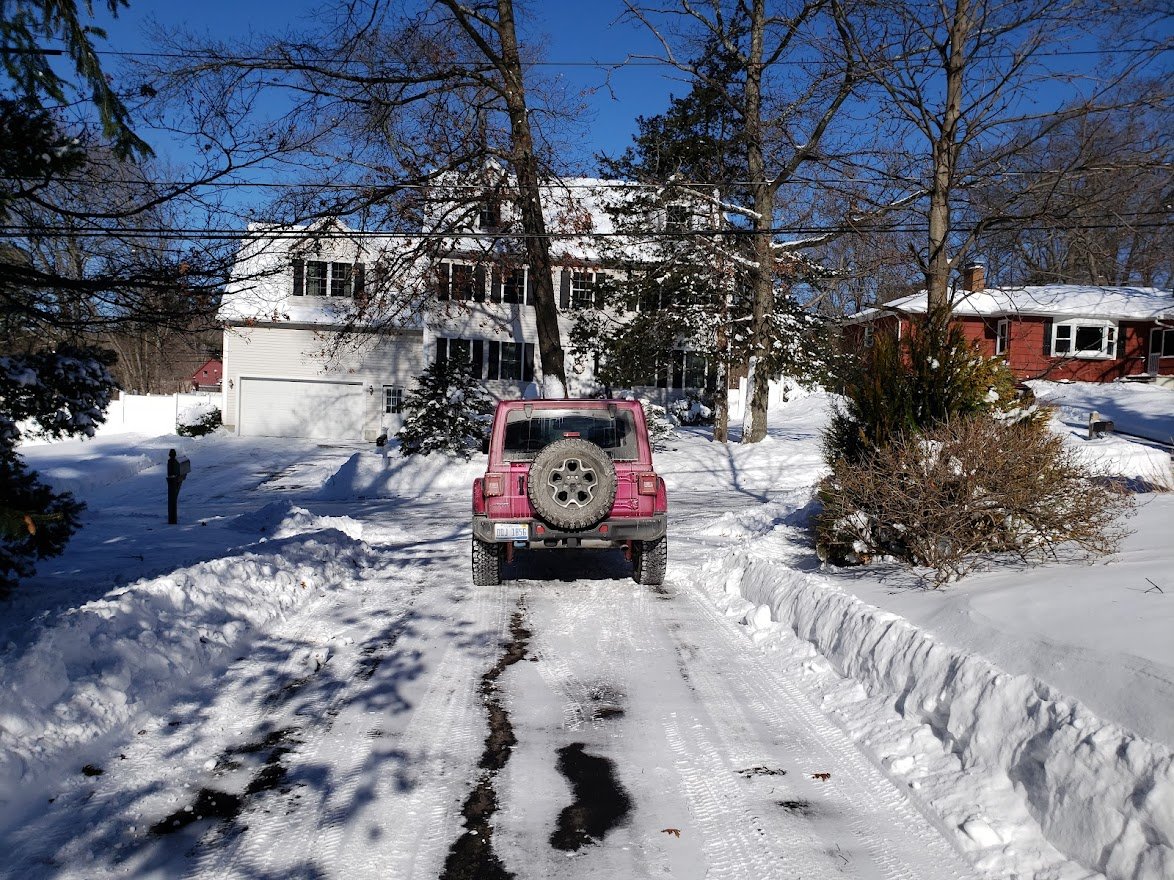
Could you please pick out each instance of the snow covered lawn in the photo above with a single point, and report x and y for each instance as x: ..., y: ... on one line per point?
x: 1028, y: 713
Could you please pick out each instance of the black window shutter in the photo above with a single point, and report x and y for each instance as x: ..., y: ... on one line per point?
x: 495, y: 277
x: 478, y: 359
x: 441, y: 351
x: 494, y: 370
x: 442, y: 280
x: 1047, y: 337
x: 299, y: 272
x: 678, y: 369
x: 529, y: 287
x: 360, y: 279
x: 598, y: 291
x: 564, y: 290
x: 528, y: 362
x: 479, y: 284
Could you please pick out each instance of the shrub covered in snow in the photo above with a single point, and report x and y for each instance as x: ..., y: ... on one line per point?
x: 197, y: 420
x: 54, y: 394
x: 661, y: 426
x: 690, y: 410
x: 933, y: 374
x: 971, y: 486
x: 448, y: 411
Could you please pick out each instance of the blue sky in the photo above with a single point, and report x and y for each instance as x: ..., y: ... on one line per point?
x: 570, y: 32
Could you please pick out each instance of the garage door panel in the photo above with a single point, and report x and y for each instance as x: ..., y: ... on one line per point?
x: 292, y: 408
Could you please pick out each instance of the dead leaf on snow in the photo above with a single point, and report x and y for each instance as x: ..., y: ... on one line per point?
x: 822, y: 777
x: 675, y: 832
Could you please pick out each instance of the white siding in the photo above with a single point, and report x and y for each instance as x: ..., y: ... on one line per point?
x: 288, y: 353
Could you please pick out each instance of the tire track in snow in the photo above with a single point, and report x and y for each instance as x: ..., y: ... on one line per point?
x: 897, y: 837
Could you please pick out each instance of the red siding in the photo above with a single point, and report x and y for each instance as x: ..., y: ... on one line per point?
x: 1029, y: 340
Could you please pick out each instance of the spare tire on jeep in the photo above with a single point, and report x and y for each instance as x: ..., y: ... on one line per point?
x: 572, y: 484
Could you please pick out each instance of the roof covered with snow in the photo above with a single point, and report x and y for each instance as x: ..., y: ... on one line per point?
x: 1051, y: 300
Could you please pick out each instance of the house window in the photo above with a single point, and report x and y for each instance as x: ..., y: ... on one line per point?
x: 393, y: 400
x: 342, y: 279
x: 316, y: 274
x: 489, y: 215
x: 512, y: 361
x: 1084, y: 339
x: 677, y: 218
x: 1162, y: 342
x: 582, y: 290
x: 513, y: 285
x: 1002, y: 336
x: 869, y: 336
x: 458, y: 281
x: 683, y: 369
x: 471, y: 350
x: 321, y: 278
x: 652, y: 297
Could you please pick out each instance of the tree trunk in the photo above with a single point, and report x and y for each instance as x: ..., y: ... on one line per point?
x: 529, y: 202
x: 945, y: 163
x: 754, y: 420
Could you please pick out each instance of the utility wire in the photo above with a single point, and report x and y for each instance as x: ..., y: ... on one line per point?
x: 571, y: 183
x: 209, y: 234
x: 603, y: 65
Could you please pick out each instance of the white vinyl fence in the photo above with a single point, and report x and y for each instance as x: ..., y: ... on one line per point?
x: 152, y: 414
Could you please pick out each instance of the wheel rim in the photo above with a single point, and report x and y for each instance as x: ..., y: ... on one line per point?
x: 572, y: 484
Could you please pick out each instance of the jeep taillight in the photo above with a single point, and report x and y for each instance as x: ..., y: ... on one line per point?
x: 493, y: 485
x: 645, y: 484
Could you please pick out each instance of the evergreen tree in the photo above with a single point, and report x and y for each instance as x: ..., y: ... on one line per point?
x: 448, y: 411
x: 700, y: 286
x: 60, y: 393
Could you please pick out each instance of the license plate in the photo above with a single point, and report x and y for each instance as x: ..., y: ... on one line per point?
x: 511, y: 532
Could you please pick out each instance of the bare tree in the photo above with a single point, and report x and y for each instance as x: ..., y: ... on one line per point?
x: 1091, y: 202
x: 795, y: 74
x: 408, y: 124
x: 968, y: 85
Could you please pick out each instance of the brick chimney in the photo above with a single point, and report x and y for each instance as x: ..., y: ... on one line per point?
x: 974, y: 277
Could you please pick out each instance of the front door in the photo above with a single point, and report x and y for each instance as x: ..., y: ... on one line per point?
x: 393, y: 409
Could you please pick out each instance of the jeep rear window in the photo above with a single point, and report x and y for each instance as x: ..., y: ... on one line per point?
x: 525, y: 434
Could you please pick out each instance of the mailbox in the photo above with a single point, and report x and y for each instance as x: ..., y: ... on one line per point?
x: 177, y: 470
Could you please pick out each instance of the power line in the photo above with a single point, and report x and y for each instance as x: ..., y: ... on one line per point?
x: 594, y: 63
x: 571, y: 183
x: 211, y: 234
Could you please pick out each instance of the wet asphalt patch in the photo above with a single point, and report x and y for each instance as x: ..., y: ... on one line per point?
x: 225, y: 806
x: 601, y: 803
x: 471, y: 856
x: 799, y: 808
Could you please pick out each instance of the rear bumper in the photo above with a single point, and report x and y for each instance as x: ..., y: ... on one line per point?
x: 609, y: 533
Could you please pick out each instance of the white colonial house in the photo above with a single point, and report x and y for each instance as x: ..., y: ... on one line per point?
x: 327, y: 328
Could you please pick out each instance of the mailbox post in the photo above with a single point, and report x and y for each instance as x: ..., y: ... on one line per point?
x: 177, y: 469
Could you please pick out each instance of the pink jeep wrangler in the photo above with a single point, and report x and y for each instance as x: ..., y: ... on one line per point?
x: 569, y: 473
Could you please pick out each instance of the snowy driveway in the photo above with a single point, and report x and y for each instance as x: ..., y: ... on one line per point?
x: 388, y: 719
x: 299, y: 680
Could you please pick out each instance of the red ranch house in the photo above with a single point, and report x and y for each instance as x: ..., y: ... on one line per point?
x: 207, y: 377
x: 1055, y: 331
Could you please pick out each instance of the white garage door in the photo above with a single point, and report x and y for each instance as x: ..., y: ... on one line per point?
x: 294, y: 408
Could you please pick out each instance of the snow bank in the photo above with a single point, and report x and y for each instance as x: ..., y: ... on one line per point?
x: 81, y: 475
x: 374, y: 474
x: 282, y: 519
x: 113, y: 663
x: 1136, y: 408
x: 1100, y: 793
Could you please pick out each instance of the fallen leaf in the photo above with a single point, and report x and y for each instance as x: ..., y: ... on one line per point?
x: 675, y: 832
x: 823, y: 777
